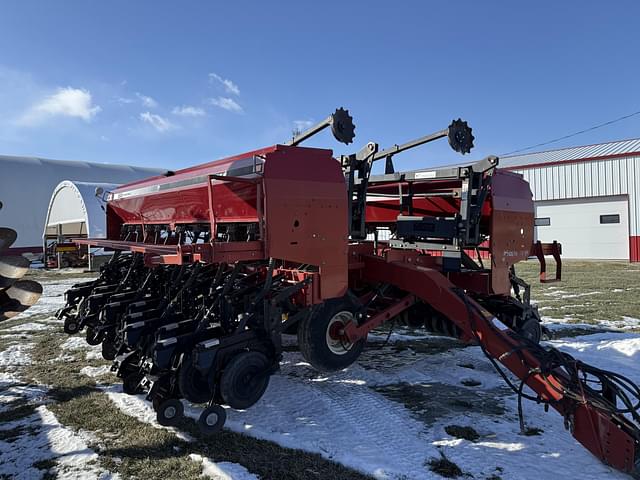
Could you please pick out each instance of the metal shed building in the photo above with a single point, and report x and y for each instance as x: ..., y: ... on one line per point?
x: 587, y: 198
x: 75, y: 211
x: 26, y: 185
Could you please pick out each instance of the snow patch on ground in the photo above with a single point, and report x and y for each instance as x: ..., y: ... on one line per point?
x: 96, y: 372
x: 627, y: 323
x: 75, y: 343
x: 577, y: 295
x: 222, y: 470
x: 47, y: 439
x: 16, y: 356
x: 27, y: 327
x: 38, y: 439
x: 94, y: 354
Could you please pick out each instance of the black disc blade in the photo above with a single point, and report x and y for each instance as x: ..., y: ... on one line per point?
x: 12, y: 269
x: 7, y: 237
x: 18, y: 298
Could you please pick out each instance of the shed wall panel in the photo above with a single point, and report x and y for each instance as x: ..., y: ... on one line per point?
x: 587, y: 179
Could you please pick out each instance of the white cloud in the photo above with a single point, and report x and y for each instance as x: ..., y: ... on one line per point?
x: 302, y: 125
x: 156, y: 121
x: 188, y: 111
x: 228, y: 85
x: 147, y: 101
x: 124, y: 100
x: 66, y: 102
x: 226, y: 103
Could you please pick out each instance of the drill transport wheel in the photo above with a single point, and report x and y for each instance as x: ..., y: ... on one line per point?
x: 244, y: 380
x: 169, y: 412
x: 212, y: 419
x: 321, y: 339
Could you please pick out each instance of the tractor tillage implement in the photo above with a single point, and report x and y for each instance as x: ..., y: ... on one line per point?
x: 213, y: 264
x: 16, y: 294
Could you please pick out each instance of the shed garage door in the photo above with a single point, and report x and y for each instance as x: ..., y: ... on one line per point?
x: 595, y: 228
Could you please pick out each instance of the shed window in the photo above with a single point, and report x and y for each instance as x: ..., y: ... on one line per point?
x: 542, y: 222
x: 613, y: 218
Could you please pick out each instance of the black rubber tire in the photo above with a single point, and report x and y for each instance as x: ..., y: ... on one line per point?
x: 313, y: 338
x: 71, y: 325
x: 212, y: 419
x: 109, y: 350
x: 192, y: 384
x: 245, y: 379
x: 169, y: 412
x: 131, y: 383
x: 92, y: 337
x: 531, y: 330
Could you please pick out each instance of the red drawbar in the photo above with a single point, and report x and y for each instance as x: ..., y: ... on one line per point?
x: 634, y: 249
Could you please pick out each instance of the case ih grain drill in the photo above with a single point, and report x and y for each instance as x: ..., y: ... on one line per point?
x: 214, y: 263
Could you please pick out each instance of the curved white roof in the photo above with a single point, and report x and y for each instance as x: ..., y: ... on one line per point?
x: 26, y: 185
x: 75, y: 206
x: 134, y: 173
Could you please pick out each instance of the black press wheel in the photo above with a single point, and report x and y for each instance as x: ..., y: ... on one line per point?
x: 245, y: 379
x: 109, y: 350
x: 131, y: 383
x: 212, y: 419
x: 193, y: 385
x: 169, y: 412
x: 321, y: 336
x: 71, y: 325
x: 93, y: 337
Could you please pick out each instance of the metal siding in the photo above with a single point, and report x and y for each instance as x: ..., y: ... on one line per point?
x: 616, y: 180
x: 575, y: 180
x: 595, y: 179
x: 561, y: 182
x: 603, y: 178
x: 623, y: 171
x: 543, y: 183
x: 553, y: 182
x: 584, y: 177
x: 582, y: 172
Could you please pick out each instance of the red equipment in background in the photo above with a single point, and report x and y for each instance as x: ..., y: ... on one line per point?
x: 223, y: 258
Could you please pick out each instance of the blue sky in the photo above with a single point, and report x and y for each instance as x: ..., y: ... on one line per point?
x: 171, y: 84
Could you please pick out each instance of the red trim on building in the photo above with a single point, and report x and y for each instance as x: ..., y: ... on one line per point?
x: 634, y: 248
x: 576, y: 160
